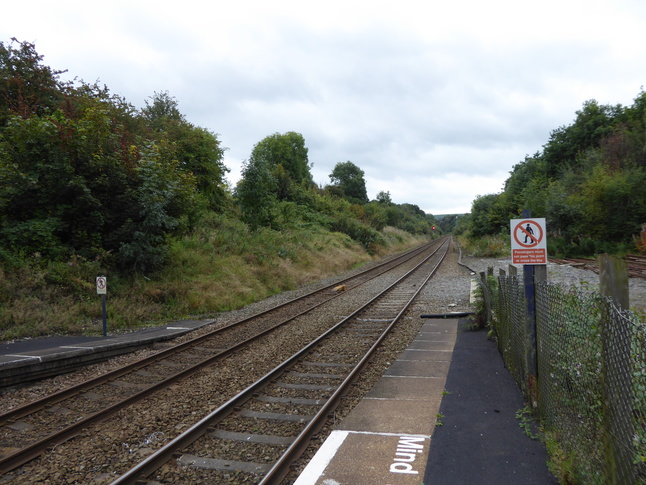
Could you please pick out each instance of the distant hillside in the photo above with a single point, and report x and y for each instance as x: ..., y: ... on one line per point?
x: 448, y: 222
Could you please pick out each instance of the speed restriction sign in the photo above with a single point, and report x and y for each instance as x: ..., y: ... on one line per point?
x: 101, y: 285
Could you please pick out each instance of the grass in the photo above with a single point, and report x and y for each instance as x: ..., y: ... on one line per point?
x: 572, y: 422
x: 438, y: 419
x: 486, y: 247
x: 219, y: 267
x: 526, y: 421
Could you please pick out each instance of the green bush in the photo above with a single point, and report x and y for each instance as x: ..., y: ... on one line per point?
x: 361, y: 233
x: 487, y: 246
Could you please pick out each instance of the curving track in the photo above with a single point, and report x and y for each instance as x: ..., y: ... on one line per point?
x: 635, y: 263
x: 270, y: 423
x: 32, y: 429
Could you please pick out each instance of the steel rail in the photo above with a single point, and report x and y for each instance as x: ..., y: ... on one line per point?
x: 636, y: 264
x: 59, y: 396
x: 296, y: 449
x: 166, y: 453
x: 34, y: 450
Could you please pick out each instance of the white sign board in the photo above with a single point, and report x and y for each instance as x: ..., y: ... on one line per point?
x: 101, y: 285
x: 528, y: 241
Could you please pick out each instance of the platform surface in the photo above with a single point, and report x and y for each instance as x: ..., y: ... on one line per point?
x: 386, y: 437
x: 31, y: 359
x: 443, y: 414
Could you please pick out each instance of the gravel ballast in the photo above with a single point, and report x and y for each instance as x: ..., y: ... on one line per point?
x: 98, y: 455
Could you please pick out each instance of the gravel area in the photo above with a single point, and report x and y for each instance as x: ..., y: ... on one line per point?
x: 582, y: 279
x: 97, y: 455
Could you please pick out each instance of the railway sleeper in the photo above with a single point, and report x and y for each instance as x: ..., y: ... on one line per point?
x: 290, y: 400
x: 252, y: 438
x: 326, y: 364
x: 297, y: 418
x: 307, y: 387
x: 226, y: 465
x: 307, y: 375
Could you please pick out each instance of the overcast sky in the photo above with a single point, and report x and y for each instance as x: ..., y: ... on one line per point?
x: 434, y: 101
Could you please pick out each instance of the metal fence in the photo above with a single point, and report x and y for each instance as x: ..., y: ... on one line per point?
x: 591, y: 377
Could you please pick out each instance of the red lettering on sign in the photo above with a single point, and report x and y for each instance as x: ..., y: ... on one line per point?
x: 529, y: 256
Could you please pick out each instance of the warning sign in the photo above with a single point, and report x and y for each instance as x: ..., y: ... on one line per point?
x: 528, y: 243
x: 101, y: 285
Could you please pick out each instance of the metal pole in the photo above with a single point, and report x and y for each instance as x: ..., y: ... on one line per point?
x: 105, y: 315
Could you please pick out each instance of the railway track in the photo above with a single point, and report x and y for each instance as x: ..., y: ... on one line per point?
x: 636, y: 264
x: 269, y: 424
x: 30, y: 430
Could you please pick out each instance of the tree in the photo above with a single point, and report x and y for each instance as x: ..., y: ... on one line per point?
x: 27, y: 87
x: 256, y: 193
x: 349, y: 178
x: 197, y: 150
x: 614, y: 203
x: 384, y: 198
x: 635, y: 130
x: 287, y: 150
x: 159, y: 200
x: 592, y: 124
x: 161, y: 110
x: 588, y: 183
x: 485, y: 220
x: 81, y: 173
x: 277, y: 171
x: 449, y: 223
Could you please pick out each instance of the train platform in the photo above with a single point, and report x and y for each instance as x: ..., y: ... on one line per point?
x: 443, y: 414
x: 27, y: 360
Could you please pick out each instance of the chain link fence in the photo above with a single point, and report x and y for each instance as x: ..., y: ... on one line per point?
x: 591, y: 383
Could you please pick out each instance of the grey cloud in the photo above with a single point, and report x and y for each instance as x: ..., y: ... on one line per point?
x: 410, y: 109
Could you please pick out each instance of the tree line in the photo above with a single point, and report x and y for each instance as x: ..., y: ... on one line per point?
x: 85, y: 174
x: 588, y: 181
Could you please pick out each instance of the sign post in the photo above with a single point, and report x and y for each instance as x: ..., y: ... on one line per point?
x: 102, y: 289
x: 529, y: 248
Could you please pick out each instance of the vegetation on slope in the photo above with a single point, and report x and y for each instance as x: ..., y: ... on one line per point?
x: 91, y: 186
x: 589, y: 182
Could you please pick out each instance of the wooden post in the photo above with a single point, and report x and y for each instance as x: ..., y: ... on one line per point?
x: 531, y: 361
x: 613, y: 277
x: 487, y: 297
x: 616, y: 374
x: 540, y: 273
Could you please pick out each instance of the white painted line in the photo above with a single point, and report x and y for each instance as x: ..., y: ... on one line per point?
x: 416, y: 377
x: 317, y: 465
x: 322, y: 458
x: 436, y: 341
x: 375, y: 433
x: 178, y: 328
x: 429, y: 350
x: 410, y: 360
x: 39, y: 359
x: 75, y: 347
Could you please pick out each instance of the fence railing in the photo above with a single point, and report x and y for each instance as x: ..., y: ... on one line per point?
x: 591, y: 382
